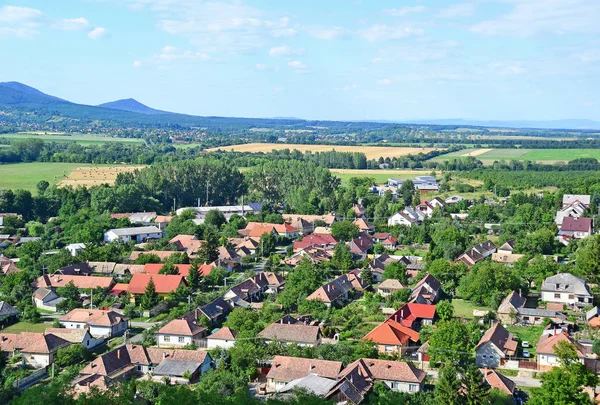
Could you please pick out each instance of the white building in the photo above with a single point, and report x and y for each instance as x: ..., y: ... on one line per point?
x: 100, y: 323
x: 181, y: 332
x: 75, y: 248
x: 128, y: 234
x: 223, y: 338
x: 567, y: 289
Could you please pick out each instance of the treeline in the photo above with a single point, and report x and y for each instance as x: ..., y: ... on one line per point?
x: 578, y: 182
x: 330, y: 159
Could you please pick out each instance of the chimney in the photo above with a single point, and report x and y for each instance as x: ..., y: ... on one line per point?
x: 118, y: 353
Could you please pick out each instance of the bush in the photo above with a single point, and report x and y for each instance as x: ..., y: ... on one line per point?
x: 72, y: 355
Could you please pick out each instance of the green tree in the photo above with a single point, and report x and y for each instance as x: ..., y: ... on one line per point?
x: 475, y: 390
x: 451, y: 342
x: 563, y: 386
x: 344, y: 231
x: 73, y: 354
x: 445, y: 310
x: 150, y: 297
x: 447, y: 386
x: 587, y: 256
x: 406, y: 192
x: 488, y: 283
x: 208, y: 250
x: 30, y: 314
x: 215, y: 218
x: 397, y: 271
x: 147, y: 258
x: 268, y: 244
x: 299, y: 284
x: 342, y: 257
x: 168, y: 269
x: 194, y: 277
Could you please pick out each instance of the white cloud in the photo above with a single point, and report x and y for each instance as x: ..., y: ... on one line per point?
x: 137, y: 64
x: 296, y: 64
x: 505, y: 68
x: 404, y: 11
x: 71, y: 24
x: 20, y: 15
x: 385, y: 82
x: 170, y: 54
x: 381, y: 32
x: 532, y: 17
x: 421, y: 50
x: 327, y: 33
x: 285, y: 51
x: 457, y: 10
x: 98, y: 33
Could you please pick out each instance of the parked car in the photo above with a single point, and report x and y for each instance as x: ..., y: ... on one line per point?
x: 526, y: 353
x: 525, y: 343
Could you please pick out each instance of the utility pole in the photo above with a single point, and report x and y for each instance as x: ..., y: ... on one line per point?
x: 207, y: 193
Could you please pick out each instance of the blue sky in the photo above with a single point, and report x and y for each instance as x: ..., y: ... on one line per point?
x: 327, y: 59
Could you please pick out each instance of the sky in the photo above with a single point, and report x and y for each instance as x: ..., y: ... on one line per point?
x: 325, y: 59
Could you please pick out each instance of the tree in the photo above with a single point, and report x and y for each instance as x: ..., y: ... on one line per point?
x: 563, y: 386
x: 342, y: 257
x: 445, y: 310
x: 208, y: 250
x: 168, y: 269
x: 299, y: 284
x: 30, y: 314
x: 396, y: 271
x: 150, y: 297
x: 475, y: 390
x: 71, y: 295
x: 41, y: 187
x: 73, y: 354
x: 566, y: 353
x: 378, y: 249
x: 268, y: 243
x: 448, y: 385
x: 452, y: 342
x: 194, y: 277
x: 587, y: 256
x: 216, y: 276
x: 344, y: 231
x: 406, y: 192
x: 366, y: 275
x: 488, y: 283
x: 215, y: 218
x: 146, y: 258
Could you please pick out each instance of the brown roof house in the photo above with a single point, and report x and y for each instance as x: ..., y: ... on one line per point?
x: 477, y: 253
x: 497, y: 380
x: 496, y: 345
x: 76, y: 336
x: 101, y: 323
x: 427, y: 291
x: 45, y: 298
x: 389, y: 286
x: 224, y: 338
x: 509, y: 307
x: 546, y: 356
x: 338, y: 290
x: 285, y: 369
x: 289, y: 331
x: 575, y: 228
x: 81, y: 282
x: 37, y: 349
x: 187, y: 243
x: 183, y: 331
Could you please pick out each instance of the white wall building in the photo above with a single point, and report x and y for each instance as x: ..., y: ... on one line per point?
x: 128, y: 234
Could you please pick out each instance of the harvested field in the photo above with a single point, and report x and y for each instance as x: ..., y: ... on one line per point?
x: 95, y: 176
x: 372, y: 152
x: 380, y: 176
x: 476, y: 152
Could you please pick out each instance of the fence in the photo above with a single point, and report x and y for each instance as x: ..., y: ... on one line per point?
x: 30, y: 379
x: 531, y: 365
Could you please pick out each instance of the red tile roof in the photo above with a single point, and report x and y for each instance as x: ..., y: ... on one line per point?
x: 59, y: 280
x: 224, y: 333
x: 547, y: 342
x: 185, y: 326
x: 571, y: 224
x: 164, y: 283
x: 315, y: 239
x: 94, y: 317
x: 286, y: 368
x: 410, y: 312
x: 391, y: 333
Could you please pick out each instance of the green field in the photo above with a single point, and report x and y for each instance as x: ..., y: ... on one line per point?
x: 536, y: 155
x: 380, y: 176
x: 27, y: 175
x: 76, y: 138
x: 464, y: 309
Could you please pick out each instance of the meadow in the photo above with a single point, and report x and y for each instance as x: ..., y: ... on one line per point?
x: 488, y: 156
x: 380, y: 176
x: 372, y: 152
x: 83, y: 139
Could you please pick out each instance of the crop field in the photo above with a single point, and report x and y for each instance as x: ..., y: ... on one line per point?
x: 83, y: 139
x: 488, y: 156
x: 95, y: 176
x: 380, y: 176
x: 372, y: 152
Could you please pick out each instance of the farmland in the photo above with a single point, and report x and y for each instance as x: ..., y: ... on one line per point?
x: 94, y: 176
x: 488, y: 156
x: 83, y: 139
x: 372, y: 152
x: 380, y: 176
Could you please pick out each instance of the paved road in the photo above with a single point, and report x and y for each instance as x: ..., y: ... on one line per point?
x: 145, y: 325
x: 520, y: 381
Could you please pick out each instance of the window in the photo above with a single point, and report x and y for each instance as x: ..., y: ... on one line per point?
x: 556, y: 295
x: 395, y: 385
x: 571, y: 297
x: 139, y: 368
x: 78, y: 326
x: 484, y: 356
x: 412, y: 387
x: 87, y: 342
x: 389, y: 348
x: 181, y: 339
x: 167, y: 338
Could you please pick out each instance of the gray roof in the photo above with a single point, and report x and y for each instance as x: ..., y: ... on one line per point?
x: 142, y: 217
x: 592, y: 313
x: 134, y: 231
x: 568, y: 283
x: 7, y: 310
x: 316, y: 385
x: 176, y: 368
x: 543, y: 313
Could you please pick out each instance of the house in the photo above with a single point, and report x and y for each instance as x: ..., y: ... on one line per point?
x: 285, y: 369
x: 426, y: 291
x: 254, y: 288
x: 141, y: 218
x: 8, y: 313
x: 437, y: 202
x: 316, y: 255
x: 38, y: 350
x: 379, y: 237
x: 425, y: 184
x: 163, y: 284
x: 8, y: 266
x: 508, y: 259
x: 154, y: 268
x: 536, y: 316
x: 180, y: 332
x: 496, y: 380
x: 477, y: 253
x: 509, y: 307
x: 327, y: 219
x: 85, y: 384
x: 569, y: 199
x: 227, y: 210
x: 455, y: 199
x: 77, y: 336
x: 228, y: 258
x: 507, y: 248
x: 75, y: 248
x: 338, y: 290
x: 81, y: 282
x: 546, y: 356
x: 223, y: 338
x: 323, y: 241
x: 162, y: 221
x: 312, y: 383
x: 248, y: 246
x: 567, y: 289
x: 100, y: 322
x: 46, y: 299
x: 496, y: 346
x: 290, y: 332
x: 575, y: 228
x: 135, y: 360
x: 392, y: 337
x: 575, y: 209
x: 216, y: 310
x: 389, y: 286
x: 379, y: 263
x: 414, y: 315
x: 403, y: 218
x: 592, y: 317
x: 138, y: 235
x: 187, y: 243
x: 360, y: 246
x: 390, y: 243
x: 425, y: 208
x: 363, y: 225
x: 161, y: 254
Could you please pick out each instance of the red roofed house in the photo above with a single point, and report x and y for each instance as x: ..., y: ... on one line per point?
x: 7, y: 266
x: 321, y: 240
x: 546, y: 356
x: 100, y: 322
x: 187, y: 243
x: 390, y: 242
x: 181, y: 332
x: 154, y: 268
x: 497, y: 380
x: 81, y: 282
x: 392, y: 337
x: 224, y: 338
x: 496, y: 345
x: 414, y: 315
x: 363, y: 225
x: 36, y: 349
x: 575, y: 228
x: 164, y: 284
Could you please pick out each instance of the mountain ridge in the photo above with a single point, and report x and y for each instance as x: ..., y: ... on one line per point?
x: 132, y: 105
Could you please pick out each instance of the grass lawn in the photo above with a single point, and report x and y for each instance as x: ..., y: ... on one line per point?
x: 529, y: 334
x: 27, y: 327
x: 464, y: 309
x: 539, y: 155
x: 27, y: 175
x: 561, y: 154
x: 407, y: 252
x: 83, y: 139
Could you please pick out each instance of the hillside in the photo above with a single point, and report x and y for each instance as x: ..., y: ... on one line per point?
x: 131, y: 105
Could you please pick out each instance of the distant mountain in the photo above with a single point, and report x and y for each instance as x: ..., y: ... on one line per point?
x: 551, y: 124
x: 132, y: 105
x: 23, y: 88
